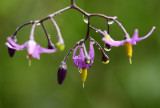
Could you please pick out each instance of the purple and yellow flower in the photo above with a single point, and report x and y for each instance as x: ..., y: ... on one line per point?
x: 33, y: 48
x: 127, y: 41
x: 83, y: 60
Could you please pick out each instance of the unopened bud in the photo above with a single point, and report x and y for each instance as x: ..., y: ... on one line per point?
x: 60, y: 46
x: 62, y: 72
x: 12, y: 51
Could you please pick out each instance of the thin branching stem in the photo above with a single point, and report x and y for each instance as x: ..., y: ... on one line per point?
x: 48, y: 38
x: 65, y: 58
x: 74, y: 6
x: 60, y: 39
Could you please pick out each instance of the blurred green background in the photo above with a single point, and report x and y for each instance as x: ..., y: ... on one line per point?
x: 116, y: 85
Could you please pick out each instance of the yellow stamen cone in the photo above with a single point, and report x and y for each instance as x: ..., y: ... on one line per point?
x: 83, y: 75
x: 129, y: 51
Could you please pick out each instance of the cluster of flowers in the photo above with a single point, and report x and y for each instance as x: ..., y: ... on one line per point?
x: 84, y: 59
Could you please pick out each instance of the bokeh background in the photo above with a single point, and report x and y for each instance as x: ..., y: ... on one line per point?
x: 115, y: 85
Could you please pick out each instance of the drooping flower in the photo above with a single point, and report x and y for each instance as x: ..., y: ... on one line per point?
x: 127, y: 41
x: 33, y: 48
x: 107, y: 39
x: 83, y: 60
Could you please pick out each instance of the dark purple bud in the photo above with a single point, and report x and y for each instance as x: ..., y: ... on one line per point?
x: 105, y: 58
x: 12, y: 51
x: 62, y: 72
x: 51, y: 46
x: 107, y: 47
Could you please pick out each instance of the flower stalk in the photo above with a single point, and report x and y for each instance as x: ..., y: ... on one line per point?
x: 84, y: 59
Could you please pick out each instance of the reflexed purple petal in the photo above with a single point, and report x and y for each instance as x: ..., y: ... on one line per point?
x: 74, y: 53
x: 9, y: 45
x: 139, y: 39
x: 91, y: 51
x: 135, y: 36
x: 44, y: 50
x: 79, y: 60
x: 75, y: 58
x: 15, y: 46
x: 36, y: 53
x: 61, y: 75
x: 112, y: 42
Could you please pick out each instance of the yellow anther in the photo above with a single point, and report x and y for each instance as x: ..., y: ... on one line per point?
x: 107, y: 37
x: 84, y: 75
x: 88, y: 61
x: 129, y: 50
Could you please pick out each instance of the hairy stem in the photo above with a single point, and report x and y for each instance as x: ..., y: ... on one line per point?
x: 19, y: 28
x: 65, y: 58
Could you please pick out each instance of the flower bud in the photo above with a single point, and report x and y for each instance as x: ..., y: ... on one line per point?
x: 62, y: 72
x: 60, y: 46
x: 12, y: 51
x: 105, y: 59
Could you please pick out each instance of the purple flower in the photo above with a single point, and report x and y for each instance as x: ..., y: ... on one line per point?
x: 128, y: 41
x: 83, y: 61
x: 33, y: 48
x: 107, y: 39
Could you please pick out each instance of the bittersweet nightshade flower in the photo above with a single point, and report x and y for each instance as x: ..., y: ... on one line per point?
x: 62, y: 72
x: 33, y: 48
x: 83, y: 60
x: 127, y: 41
